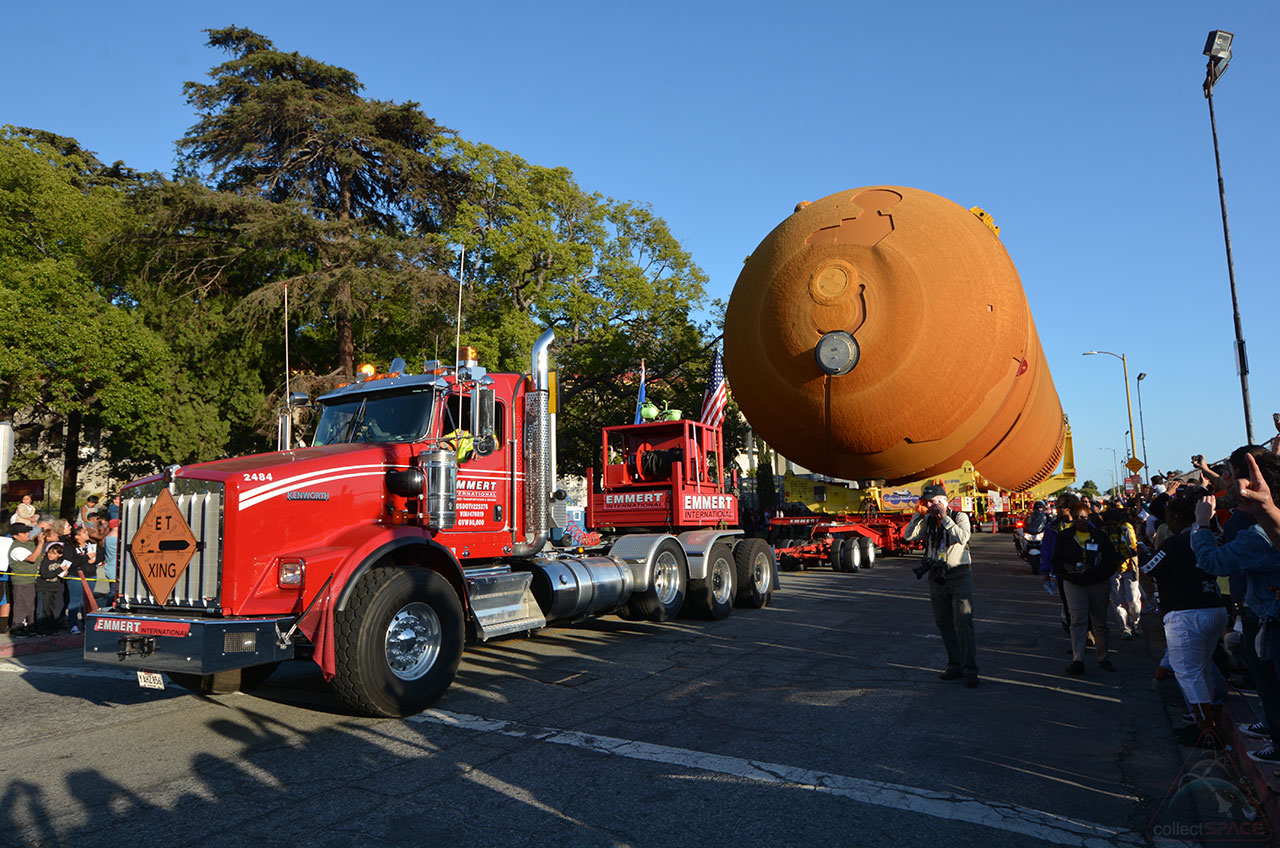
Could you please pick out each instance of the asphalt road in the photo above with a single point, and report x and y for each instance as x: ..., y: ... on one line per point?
x: 818, y: 721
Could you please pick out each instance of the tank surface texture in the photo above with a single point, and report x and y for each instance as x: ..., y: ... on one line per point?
x: 948, y: 363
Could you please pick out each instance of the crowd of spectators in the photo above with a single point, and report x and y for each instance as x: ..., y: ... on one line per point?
x: 49, y: 565
x: 1201, y: 556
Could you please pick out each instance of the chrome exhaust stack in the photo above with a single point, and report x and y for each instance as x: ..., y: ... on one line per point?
x: 538, y: 462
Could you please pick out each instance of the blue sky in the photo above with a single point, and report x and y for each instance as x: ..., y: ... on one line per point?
x: 1080, y: 127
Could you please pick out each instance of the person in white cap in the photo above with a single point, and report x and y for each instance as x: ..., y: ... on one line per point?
x: 945, y: 534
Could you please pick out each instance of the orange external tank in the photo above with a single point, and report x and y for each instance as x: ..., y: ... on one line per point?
x: 883, y: 333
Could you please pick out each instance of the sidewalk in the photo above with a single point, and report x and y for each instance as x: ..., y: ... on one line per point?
x: 1265, y: 778
x: 11, y: 647
x: 1232, y: 763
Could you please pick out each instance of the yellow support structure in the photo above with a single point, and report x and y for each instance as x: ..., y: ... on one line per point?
x: 965, y: 485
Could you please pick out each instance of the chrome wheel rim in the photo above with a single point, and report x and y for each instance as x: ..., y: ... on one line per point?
x: 761, y: 574
x: 870, y: 552
x: 666, y: 578
x: 413, y: 641
x: 721, y: 580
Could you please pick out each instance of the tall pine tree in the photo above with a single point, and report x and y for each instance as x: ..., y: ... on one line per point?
x: 373, y: 174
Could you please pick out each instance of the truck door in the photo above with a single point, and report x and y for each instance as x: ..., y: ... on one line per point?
x: 483, y: 480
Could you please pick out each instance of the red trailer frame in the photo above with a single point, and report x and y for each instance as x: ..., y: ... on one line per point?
x: 661, y: 474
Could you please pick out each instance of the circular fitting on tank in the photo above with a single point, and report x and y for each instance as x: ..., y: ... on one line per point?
x: 832, y: 282
x: 837, y: 353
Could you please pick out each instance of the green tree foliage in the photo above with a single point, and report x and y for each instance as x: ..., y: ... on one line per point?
x: 364, y: 213
x: 369, y: 176
x: 65, y: 349
x: 608, y: 275
x: 1089, y: 489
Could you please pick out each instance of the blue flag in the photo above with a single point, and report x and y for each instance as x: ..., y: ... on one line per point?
x: 640, y: 399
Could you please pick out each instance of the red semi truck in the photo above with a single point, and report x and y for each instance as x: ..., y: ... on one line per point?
x: 418, y: 520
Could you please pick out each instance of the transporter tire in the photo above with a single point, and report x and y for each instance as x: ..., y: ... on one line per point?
x: 663, y: 598
x: 868, y: 552
x: 398, y: 643
x: 851, y: 556
x: 757, y: 573
x: 713, y: 597
x: 835, y: 556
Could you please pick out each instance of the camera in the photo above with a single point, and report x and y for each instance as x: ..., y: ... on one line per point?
x: 939, y: 571
x: 1197, y: 459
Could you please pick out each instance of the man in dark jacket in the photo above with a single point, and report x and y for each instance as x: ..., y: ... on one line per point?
x: 1085, y: 560
x: 1064, y: 505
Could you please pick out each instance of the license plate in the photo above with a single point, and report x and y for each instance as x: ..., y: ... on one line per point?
x: 150, y: 680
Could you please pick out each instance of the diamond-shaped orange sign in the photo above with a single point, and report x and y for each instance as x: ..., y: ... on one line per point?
x: 163, y: 546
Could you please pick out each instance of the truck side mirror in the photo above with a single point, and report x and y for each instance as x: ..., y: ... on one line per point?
x: 483, y: 412
x: 299, y: 399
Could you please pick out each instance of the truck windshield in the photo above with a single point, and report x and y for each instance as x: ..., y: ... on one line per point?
x: 381, y: 417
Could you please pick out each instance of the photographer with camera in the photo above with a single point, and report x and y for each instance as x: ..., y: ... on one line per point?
x: 1252, y: 554
x: 945, y: 534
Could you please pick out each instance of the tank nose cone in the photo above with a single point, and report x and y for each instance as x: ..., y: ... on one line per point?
x: 883, y: 332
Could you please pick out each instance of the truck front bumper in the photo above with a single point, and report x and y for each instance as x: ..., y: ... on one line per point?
x: 194, y: 645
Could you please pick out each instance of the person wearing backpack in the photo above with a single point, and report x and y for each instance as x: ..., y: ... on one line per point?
x: 945, y: 534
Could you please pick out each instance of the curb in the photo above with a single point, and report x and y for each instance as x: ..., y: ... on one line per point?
x: 1262, y: 777
x: 10, y: 647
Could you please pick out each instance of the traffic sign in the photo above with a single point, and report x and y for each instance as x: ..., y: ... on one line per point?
x: 1134, y: 464
x: 163, y: 546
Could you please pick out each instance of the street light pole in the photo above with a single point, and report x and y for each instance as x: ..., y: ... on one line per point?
x: 1133, y: 445
x: 1143, y: 427
x: 1218, y: 49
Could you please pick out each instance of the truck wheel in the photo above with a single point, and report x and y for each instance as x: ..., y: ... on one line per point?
x: 713, y: 597
x: 868, y: 553
x: 757, y: 573
x: 662, y: 599
x: 398, y: 643
x: 851, y: 557
x: 835, y: 554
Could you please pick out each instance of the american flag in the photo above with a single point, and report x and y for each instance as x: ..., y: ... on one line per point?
x: 717, y: 395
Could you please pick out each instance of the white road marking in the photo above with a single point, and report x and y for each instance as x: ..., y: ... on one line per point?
x: 1048, y: 827
x: 1059, y: 830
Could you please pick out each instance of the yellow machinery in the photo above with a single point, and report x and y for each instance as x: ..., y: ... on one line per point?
x: 968, y: 490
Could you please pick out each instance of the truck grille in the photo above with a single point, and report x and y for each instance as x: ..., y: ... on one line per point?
x: 200, y: 586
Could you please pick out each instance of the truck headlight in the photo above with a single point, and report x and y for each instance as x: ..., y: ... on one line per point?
x: 290, y: 573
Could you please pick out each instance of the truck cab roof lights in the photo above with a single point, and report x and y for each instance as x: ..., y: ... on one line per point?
x: 367, y: 371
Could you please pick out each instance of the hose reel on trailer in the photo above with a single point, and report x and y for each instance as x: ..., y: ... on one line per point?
x: 650, y: 464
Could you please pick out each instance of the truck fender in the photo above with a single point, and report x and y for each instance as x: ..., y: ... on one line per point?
x: 696, y: 543
x: 637, y: 551
x: 427, y: 553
